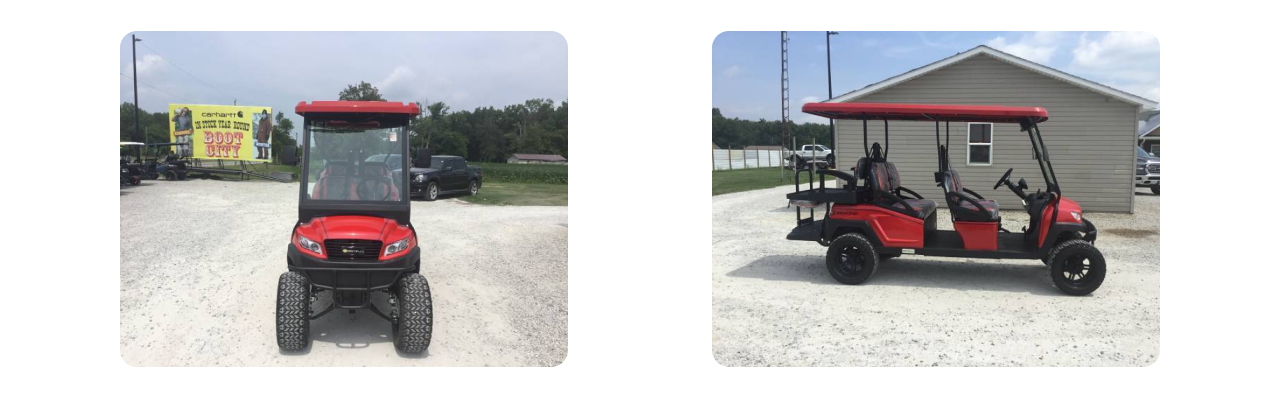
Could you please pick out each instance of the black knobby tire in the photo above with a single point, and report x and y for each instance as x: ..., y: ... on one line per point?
x: 475, y: 187
x: 432, y: 191
x: 1077, y: 267
x: 171, y: 175
x: 852, y: 259
x: 293, y: 312
x: 412, y: 330
x: 1155, y: 189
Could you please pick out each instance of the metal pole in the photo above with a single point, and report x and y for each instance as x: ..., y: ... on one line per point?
x: 830, y: 122
x: 137, y: 132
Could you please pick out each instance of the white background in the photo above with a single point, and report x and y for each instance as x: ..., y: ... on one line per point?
x: 640, y: 292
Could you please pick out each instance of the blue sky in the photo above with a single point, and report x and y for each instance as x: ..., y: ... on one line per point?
x: 278, y: 69
x: 746, y: 65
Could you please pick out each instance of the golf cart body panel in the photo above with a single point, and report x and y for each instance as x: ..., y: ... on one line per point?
x: 895, y: 220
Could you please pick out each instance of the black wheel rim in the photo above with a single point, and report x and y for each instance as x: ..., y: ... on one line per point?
x: 1078, y: 271
x: 851, y: 261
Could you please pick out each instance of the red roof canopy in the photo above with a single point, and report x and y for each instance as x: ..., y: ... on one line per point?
x: 916, y: 112
x: 364, y: 107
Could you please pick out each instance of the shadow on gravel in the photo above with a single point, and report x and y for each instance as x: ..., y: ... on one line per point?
x: 959, y: 274
x: 955, y: 274
x: 358, y: 330
x: 350, y: 331
x: 811, y: 269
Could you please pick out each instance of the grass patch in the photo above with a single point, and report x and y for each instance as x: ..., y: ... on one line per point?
x: 524, y: 173
x: 503, y: 193
x: 1132, y: 233
x: 266, y: 169
x: 732, y: 181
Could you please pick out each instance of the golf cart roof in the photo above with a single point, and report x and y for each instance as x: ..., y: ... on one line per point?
x: 918, y: 112
x: 357, y: 107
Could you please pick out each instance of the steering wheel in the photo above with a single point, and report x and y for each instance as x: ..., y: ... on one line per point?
x: 1003, y: 179
x: 366, y: 190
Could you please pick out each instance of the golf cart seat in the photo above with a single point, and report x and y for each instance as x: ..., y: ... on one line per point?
x: 887, y: 189
x: 963, y: 207
x: 335, y: 183
x: 381, y: 174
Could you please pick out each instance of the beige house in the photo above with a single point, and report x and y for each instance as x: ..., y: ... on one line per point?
x: 1090, y: 133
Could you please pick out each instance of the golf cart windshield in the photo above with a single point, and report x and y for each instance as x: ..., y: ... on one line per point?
x: 348, y: 161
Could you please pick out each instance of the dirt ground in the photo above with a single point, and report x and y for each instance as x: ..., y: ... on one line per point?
x: 200, y: 259
x: 775, y: 304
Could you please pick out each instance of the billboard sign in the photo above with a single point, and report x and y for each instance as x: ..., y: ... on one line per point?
x: 234, y: 133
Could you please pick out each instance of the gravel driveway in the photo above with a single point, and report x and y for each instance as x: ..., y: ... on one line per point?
x: 199, y: 262
x: 775, y: 304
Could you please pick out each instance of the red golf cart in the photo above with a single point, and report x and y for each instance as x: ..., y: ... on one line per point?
x: 353, y: 236
x: 873, y: 217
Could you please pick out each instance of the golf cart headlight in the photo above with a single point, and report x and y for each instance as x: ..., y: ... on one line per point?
x: 309, y: 245
x: 1076, y: 215
x: 420, y: 178
x: 396, y: 247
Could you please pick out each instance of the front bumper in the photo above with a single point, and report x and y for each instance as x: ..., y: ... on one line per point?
x: 1147, y: 180
x: 353, y: 276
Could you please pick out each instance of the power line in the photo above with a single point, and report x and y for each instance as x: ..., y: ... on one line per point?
x: 157, y: 53
x: 158, y: 89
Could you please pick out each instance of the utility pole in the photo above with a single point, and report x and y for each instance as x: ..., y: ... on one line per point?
x: 137, y: 130
x: 786, y: 106
x: 830, y: 122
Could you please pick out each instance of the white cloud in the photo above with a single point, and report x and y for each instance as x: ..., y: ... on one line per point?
x: 1116, y: 49
x: 148, y: 65
x: 1128, y: 61
x: 401, y: 83
x: 799, y: 116
x: 732, y: 71
x: 1037, y: 47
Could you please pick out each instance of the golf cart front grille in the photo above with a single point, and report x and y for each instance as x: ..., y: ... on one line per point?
x: 363, y: 250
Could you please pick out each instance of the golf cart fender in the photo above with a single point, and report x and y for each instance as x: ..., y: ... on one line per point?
x: 834, y: 228
x: 1085, y: 229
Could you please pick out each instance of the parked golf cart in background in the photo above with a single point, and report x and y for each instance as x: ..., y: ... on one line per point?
x: 166, y: 162
x: 353, y: 237
x: 873, y: 217
x: 130, y: 172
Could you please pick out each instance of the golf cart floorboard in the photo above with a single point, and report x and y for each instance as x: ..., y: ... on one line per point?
x: 949, y: 243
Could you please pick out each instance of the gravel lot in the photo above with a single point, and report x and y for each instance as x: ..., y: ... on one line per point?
x: 775, y: 304
x: 199, y: 262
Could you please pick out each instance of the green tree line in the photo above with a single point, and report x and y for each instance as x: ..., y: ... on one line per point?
x: 739, y: 133
x: 485, y: 134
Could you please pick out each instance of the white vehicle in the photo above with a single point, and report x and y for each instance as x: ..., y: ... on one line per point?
x: 811, y: 153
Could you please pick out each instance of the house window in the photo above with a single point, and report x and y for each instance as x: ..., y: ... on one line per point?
x: 980, y: 143
x: 1155, y: 150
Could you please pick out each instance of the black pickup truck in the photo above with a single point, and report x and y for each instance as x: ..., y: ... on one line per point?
x: 447, y: 174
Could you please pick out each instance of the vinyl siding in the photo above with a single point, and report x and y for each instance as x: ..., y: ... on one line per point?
x: 1090, y: 136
